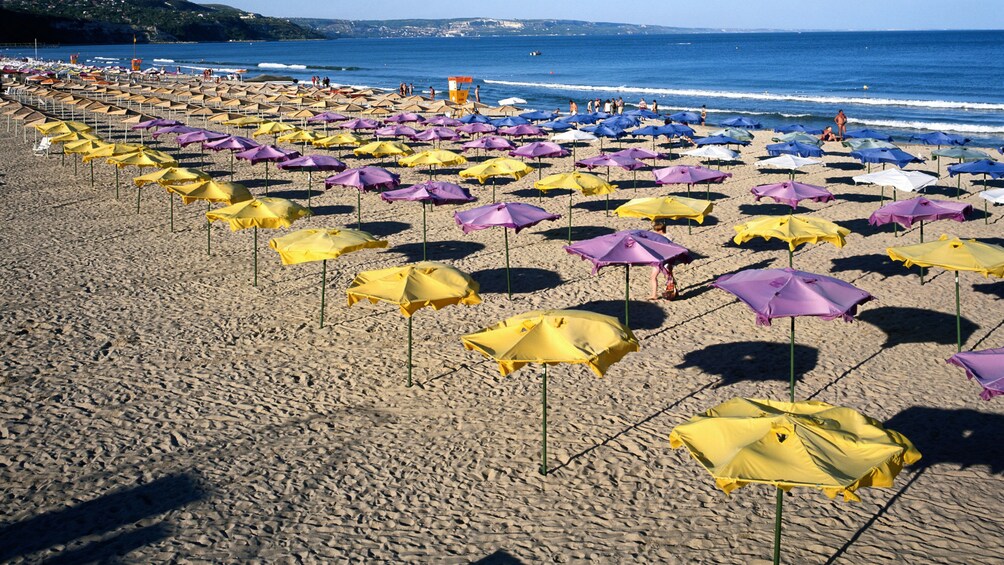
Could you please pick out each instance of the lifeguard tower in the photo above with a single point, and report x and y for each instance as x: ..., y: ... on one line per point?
x: 459, y: 88
x: 137, y: 65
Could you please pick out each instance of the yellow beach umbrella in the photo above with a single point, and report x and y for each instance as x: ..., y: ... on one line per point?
x: 586, y: 183
x: 244, y: 121
x: 383, y: 149
x: 72, y: 137
x: 165, y: 177
x: 794, y: 444
x: 414, y: 287
x: 265, y: 212
x: 142, y: 158
x: 433, y: 158
x: 109, y: 150
x: 550, y: 337
x: 666, y: 208
x: 297, y: 136
x: 337, y: 140
x: 272, y: 128
x: 953, y: 254
x: 497, y: 167
x: 210, y: 191
x: 320, y: 245
x: 793, y: 230
x: 61, y: 127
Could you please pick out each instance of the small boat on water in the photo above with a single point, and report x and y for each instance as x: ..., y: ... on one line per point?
x: 534, y: 53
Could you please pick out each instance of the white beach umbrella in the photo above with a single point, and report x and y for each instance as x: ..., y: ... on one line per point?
x: 786, y: 162
x: 573, y: 136
x: 995, y: 195
x: 906, y: 181
x: 716, y: 152
x: 511, y: 101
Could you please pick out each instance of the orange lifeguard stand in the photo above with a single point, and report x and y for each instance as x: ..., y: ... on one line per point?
x: 459, y: 88
x: 73, y: 59
x: 137, y: 64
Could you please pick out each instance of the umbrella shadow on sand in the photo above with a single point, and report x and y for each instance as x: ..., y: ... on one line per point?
x: 382, y: 228
x: 916, y: 325
x: 645, y: 315
x: 106, y: 513
x: 599, y: 204
x: 579, y: 233
x: 993, y: 289
x: 499, y: 557
x: 438, y: 250
x: 878, y: 263
x: 768, y: 209
x: 751, y: 361
x: 866, y: 197
x: 332, y: 210
x: 860, y: 226
x: 958, y: 438
x: 524, y: 280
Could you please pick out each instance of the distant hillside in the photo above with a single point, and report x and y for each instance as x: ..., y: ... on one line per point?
x: 477, y: 27
x: 151, y: 21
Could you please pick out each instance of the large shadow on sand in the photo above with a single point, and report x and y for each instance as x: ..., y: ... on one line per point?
x: 100, y: 515
x: 751, y: 361
x: 523, y: 279
x: 916, y: 325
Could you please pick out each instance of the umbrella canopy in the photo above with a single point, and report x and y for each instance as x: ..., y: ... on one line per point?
x: 794, y: 148
x: 539, y: 149
x: 786, y: 162
x: 156, y: 123
x: 688, y: 174
x: 364, y: 178
x: 383, y: 149
x: 444, y: 121
x: 666, y: 208
x: 573, y: 136
x: 735, y: 133
x: 610, y: 160
x: 338, y: 139
x: 798, y: 128
x: 509, y: 121
x: 896, y: 157
x: 492, y: 142
x: 867, y: 133
x: 993, y: 169
x: 538, y: 115
x: 521, y: 130
x: 174, y: 130
x: 231, y: 142
x: 920, y: 209
x: 433, y: 158
x: 794, y: 444
x: 986, y: 367
x: 953, y: 255
x: 719, y: 140
x: 550, y: 337
x: 638, y: 153
x: 686, y: 117
x: 267, y: 153
x: 866, y: 143
x: 61, y: 127
x: 413, y: 287
x: 105, y: 150
x: 170, y: 175
x: 298, y: 136
x: 586, y: 183
x: 199, y: 136
x: 791, y: 193
x: 312, y: 163
x: 792, y: 229
x: 800, y: 137
x: 432, y: 192
x: 211, y: 191
x: 360, y: 123
x: 144, y: 158
x: 327, y: 117
x: 940, y: 138
x: 395, y: 131
x: 716, y: 152
x: 476, y: 127
x: 630, y: 247
x: 961, y: 153
x: 475, y: 119
x: 436, y: 134
x: 497, y: 167
x: 741, y: 122
x: 272, y: 128
x: 906, y: 181
x: 404, y: 117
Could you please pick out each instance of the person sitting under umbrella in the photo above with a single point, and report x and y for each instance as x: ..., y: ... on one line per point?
x: 670, y: 292
x: 828, y: 134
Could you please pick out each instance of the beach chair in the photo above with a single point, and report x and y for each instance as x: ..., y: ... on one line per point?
x: 42, y: 149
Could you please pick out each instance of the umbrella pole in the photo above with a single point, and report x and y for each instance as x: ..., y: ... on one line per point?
x: 688, y: 190
x: 791, y: 387
x: 627, y: 292
x: 309, y: 179
x: 508, y: 285
x: 359, y: 212
x: 139, y: 191
x: 986, y: 214
x: 324, y: 280
x: 170, y: 206
x: 494, y: 199
x: 116, y: 182
x: 266, y: 178
x: 607, y: 205
x: 790, y: 255
x: 690, y: 227
x: 570, y: 216
x: 209, y: 231
x: 92, y: 174
x: 543, y: 421
x: 777, y: 526
x: 958, y: 317
x: 958, y: 184
x: 231, y: 165
x: 707, y: 191
x: 424, y: 258
x: 255, y: 256
x: 409, y: 351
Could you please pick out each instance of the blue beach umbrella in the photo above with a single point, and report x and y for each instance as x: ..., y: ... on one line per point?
x: 940, y: 138
x: 794, y: 148
x: 869, y: 133
x: 679, y: 130
x: 686, y: 117
x: 475, y: 118
x: 651, y: 131
x: 603, y: 130
x: 538, y: 115
x: 985, y: 167
x: 896, y: 157
x: 509, y: 121
x: 555, y: 125
x: 741, y: 122
x: 793, y: 128
x: 719, y: 140
x: 798, y: 136
x: 581, y: 119
x: 621, y: 122
x: 642, y: 114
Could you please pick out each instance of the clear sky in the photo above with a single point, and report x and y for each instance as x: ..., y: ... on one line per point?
x: 732, y: 14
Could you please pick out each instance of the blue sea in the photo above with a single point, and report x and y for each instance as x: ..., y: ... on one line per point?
x: 916, y: 81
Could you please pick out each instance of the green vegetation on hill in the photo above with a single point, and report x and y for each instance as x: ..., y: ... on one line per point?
x: 117, y: 21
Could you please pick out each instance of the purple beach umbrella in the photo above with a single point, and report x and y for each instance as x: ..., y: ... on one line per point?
x: 157, y: 123
x: 179, y: 129
x: 690, y: 175
x: 327, y: 118
x: 490, y: 143
x: 360, y: 123
x: 477, y: 127
x: 364, y: 178
x: 267, y: 154
x: 538, y: 150
x: 787, y: 293
x: 444, y: 121
x: 232, y: 142
x: 612, y: 160
x: 521, y: 130
x: 395, y: 131
x: 513, y: 215
x: 436, y: 193
x: 311, y: 163
x: 638, y: 153
x: 791, y: 193
x: 986, y: 367
x: 437, y: 133
x: 199, y: 136
x: 630, y: 247
x: 405, y: 118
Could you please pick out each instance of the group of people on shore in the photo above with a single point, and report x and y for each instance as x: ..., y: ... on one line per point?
x: 317, y: 81
x: 406, y: 89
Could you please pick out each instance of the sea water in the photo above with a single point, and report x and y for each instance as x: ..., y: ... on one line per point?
x: 902, y: 82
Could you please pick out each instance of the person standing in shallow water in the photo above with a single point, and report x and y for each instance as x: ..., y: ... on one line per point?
x: 841, y: 121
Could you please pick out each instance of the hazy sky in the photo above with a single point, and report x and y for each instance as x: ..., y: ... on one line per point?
x: 774, y: 14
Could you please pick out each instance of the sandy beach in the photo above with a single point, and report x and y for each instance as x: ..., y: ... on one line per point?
x: 160, y: 408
